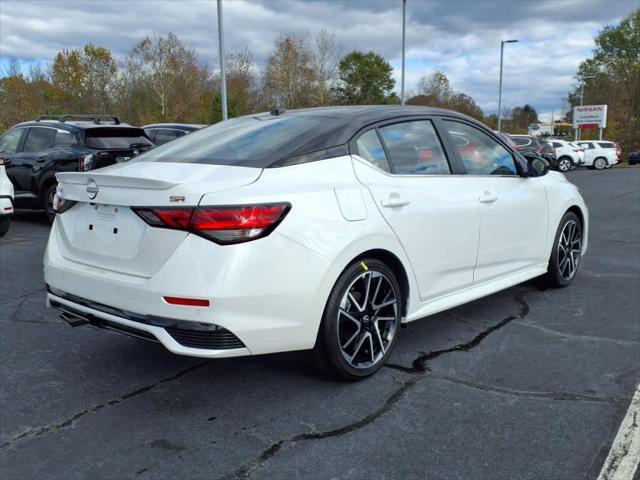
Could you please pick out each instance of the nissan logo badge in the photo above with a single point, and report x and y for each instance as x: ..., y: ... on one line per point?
x: 92, y: 190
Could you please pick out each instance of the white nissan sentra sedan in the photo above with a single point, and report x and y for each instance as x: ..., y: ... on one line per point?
x: 318, y: 229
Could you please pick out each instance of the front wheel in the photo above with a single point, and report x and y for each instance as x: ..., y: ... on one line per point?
x: 600, y: 163
x: 566, y: 253
x: 360, y: 322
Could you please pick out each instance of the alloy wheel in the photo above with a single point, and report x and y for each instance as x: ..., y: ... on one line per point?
x: 367, y: 319
x: 600, y: 163
x: 569, y: 250
x: 565, y: 165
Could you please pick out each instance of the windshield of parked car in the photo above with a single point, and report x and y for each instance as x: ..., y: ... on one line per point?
x: 115, y: 138
x: 246, y: 141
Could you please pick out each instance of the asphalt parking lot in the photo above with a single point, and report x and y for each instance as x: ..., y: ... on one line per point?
x: 525, y: 384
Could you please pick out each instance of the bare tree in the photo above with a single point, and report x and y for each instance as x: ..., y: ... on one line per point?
x: 289, y: 73
x: 325, y: 64
x: 168, y: 67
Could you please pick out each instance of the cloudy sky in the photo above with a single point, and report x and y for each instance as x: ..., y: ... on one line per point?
x: 459, y: 37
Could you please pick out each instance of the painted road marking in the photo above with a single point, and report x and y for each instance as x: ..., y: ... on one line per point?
x: 624, y: 456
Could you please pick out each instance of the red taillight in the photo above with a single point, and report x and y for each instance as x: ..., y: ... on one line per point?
x: 188, y: 302
x: 85, y: 163
x: 540, y: 149
x: 224, y: 225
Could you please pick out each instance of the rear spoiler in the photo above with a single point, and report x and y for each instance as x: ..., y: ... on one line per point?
x: 106, y: 180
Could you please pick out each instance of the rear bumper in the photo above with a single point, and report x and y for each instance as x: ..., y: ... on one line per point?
x: 269, y: 304
x: 183, y: 338
x: 6, y: 206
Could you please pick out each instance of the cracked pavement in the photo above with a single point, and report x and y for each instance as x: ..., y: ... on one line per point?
x: 526, y: 383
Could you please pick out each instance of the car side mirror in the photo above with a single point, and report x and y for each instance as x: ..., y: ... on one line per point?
x: 538, y: 166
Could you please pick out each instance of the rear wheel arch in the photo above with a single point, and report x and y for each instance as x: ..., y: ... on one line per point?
x: 396, y: 265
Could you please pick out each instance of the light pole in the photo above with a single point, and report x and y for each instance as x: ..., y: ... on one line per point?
x: 582, y: 79
x: 223, y: 76
x: 404, y: 16
x: 500, y: 87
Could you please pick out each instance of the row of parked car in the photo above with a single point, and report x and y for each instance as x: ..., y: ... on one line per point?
x: 31, y: 153
x: 563, y: 155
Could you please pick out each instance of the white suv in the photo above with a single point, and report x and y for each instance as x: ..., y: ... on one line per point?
x: 6, y: 199
x: 568, y: 154
x: 600, y: 154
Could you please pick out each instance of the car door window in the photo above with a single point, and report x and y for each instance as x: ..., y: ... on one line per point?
x: 588, y: 145
x: 9, y: 143
x: 481, y: 154
x: 39, y: 138
x: 415, y: 149
x: 370, y: 148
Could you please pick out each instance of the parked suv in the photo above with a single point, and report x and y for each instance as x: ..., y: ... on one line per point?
x: 161, y: 133
x: 569, y: 155
x: 35, y: 151
x: 600, y: 154
x: 6, y: 199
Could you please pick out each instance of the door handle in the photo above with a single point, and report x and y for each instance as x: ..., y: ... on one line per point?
x: 394, y: 200
x: 488, y: 197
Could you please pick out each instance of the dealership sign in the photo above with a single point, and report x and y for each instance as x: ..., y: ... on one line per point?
x: 590, y: 116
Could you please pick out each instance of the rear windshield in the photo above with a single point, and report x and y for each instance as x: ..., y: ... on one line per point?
x: 116, y: 138
x: 244, y: 141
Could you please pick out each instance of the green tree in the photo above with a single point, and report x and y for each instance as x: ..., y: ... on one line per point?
x: 614, y: 69
x: 364, y: 78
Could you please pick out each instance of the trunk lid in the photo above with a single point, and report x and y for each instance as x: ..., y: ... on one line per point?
x: 103, y: 231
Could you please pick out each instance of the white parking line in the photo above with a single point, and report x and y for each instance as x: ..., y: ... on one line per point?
x: 624, y: 456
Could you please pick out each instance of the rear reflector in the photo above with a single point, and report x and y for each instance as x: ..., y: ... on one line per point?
x: 189, y: 302
x: 224, y: 224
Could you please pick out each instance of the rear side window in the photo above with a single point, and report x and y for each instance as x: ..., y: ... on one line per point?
x: 39, y: 138
x: 481, y: 154
x: 607, y: 144
x: 370, y: 148
x: 415, y: 149
x: 587, y: 145
x: 9, y: 143
x: 120, y: 138
x: 164, y: 135
x: 522, y: 141
x: 64, y: 138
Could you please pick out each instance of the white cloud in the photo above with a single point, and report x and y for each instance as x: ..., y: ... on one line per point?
x: 461, y: 38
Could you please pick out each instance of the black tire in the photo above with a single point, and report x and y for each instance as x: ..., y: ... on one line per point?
x: 564, y: 164
x: 330, y: 352
x: 556, y: 275
x: 47, y: 201
x: 600, y: 163
x: 4, y: 225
